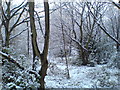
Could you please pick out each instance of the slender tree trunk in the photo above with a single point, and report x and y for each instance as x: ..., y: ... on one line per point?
x: 64, y: 48
x: 118, y: 33
x: 35, y: 48
x: 72, y: 31
x: 1, y: 39
x: 64, y: 44
x: 28, y: 39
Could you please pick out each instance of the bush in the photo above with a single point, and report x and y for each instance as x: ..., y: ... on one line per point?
x: 14, y: 78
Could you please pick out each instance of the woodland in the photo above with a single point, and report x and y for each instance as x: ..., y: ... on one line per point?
x: 57, y: 44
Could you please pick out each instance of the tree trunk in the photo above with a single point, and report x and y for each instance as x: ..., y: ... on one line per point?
x: 7, y: 32
x: 83, y: 54
x: 43, y: 71
x: 35, y: 48
x: 64, y: 44
x: 36, y: 52
x: 44, y: 61
x: 28, y: 49
x: 7, y: 41
x: 85, y: 57
x: 118, y: 33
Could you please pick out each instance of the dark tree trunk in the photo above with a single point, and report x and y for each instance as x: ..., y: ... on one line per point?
x: 36, y: 52
x: 7, y: 41
x: 85, y: 57
x: 43, y: 71
x: 44, y: 61
x: 118, y: 34
x: 35, y: 48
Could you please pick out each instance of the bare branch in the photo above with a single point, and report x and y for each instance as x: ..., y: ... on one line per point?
x: 17, y: 11
x: 117, y: 5
x: 17, y: 6
x: 17, y: 20
x: 18, y: 34
x: 76, y: 41
x: 102, y: 27
x: 3, y: 13
x: 40, y: 24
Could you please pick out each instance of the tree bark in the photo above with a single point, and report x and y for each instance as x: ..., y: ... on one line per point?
x: 7, y: 41
x: 35, y: 48
x: 44, y: 61
x: 118, y: 33
x: 36, y: 52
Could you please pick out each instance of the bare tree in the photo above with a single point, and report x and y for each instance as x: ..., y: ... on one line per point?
x: 36, y: 52
x: 86, y: 25
x: 64, y: 44
x: 103, y: 28
x: 7, y: 15
x: 44, y: 61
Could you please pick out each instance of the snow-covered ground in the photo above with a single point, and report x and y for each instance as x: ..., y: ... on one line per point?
x: 80, y: 76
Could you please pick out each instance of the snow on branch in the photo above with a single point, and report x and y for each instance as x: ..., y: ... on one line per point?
x: 12, y: 60
x: 105, y: 31
x: 76, y: 41
x: 103, y: 27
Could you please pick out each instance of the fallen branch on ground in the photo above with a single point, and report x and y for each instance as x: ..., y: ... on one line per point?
x: 12, y: 60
